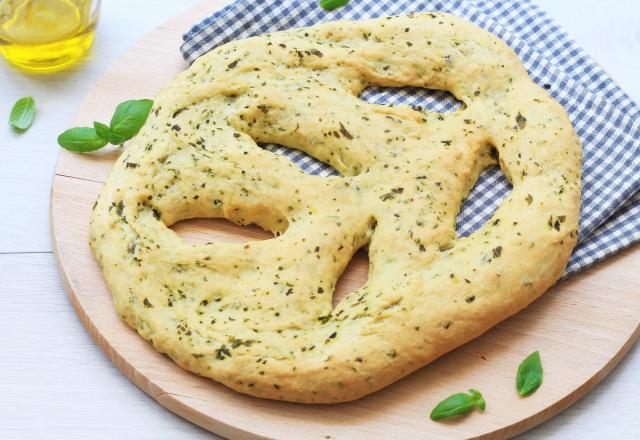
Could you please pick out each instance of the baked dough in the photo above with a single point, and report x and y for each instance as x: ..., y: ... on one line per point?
x: 258, y: 317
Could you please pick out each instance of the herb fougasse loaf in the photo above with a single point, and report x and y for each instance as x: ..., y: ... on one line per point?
x: 243, y: 314
x: 126, y: 122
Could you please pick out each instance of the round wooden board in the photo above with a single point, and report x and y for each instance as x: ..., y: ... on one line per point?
x: 582, y: 327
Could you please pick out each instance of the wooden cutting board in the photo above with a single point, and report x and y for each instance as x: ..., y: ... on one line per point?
x: 582, y: 327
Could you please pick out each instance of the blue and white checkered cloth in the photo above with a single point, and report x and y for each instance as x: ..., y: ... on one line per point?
x: 605, y: 118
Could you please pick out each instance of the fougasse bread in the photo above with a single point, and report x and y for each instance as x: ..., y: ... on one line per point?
x: 258, y: 316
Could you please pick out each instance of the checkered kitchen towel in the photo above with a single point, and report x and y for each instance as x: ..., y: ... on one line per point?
x: 605, y: 118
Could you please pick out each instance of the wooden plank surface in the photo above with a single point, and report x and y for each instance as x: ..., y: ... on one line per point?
x: 34, y: 274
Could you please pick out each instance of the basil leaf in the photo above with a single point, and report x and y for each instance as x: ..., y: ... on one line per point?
x: 458, y: 404
x: 81, y: 140
x: 102, y: 130
x: 529, y: 374
x: 129, y: 117
x: 330, y: 5
x: 105, y: 133
x: 22, y: 113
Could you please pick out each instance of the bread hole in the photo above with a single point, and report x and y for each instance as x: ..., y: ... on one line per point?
x: 481, y: 202
x: 218, y: 230
x: 353, y: 277
x: 302, y: 160
x: 421, y: 99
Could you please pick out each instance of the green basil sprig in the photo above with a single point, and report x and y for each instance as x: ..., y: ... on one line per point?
x: 458, y: 404
x: 126, y: 122
x: 330, y: 5
x: 22, y: 113
x: 529, y: 374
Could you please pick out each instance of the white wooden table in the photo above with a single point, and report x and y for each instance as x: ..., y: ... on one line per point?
x: 55, y: 383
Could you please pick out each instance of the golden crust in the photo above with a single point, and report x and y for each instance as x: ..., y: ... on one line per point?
x: 258, y: 317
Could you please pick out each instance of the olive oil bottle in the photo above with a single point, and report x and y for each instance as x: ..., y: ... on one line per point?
x: 46, y: 35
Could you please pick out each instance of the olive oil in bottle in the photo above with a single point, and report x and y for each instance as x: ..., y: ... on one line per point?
x: 46, y: 35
